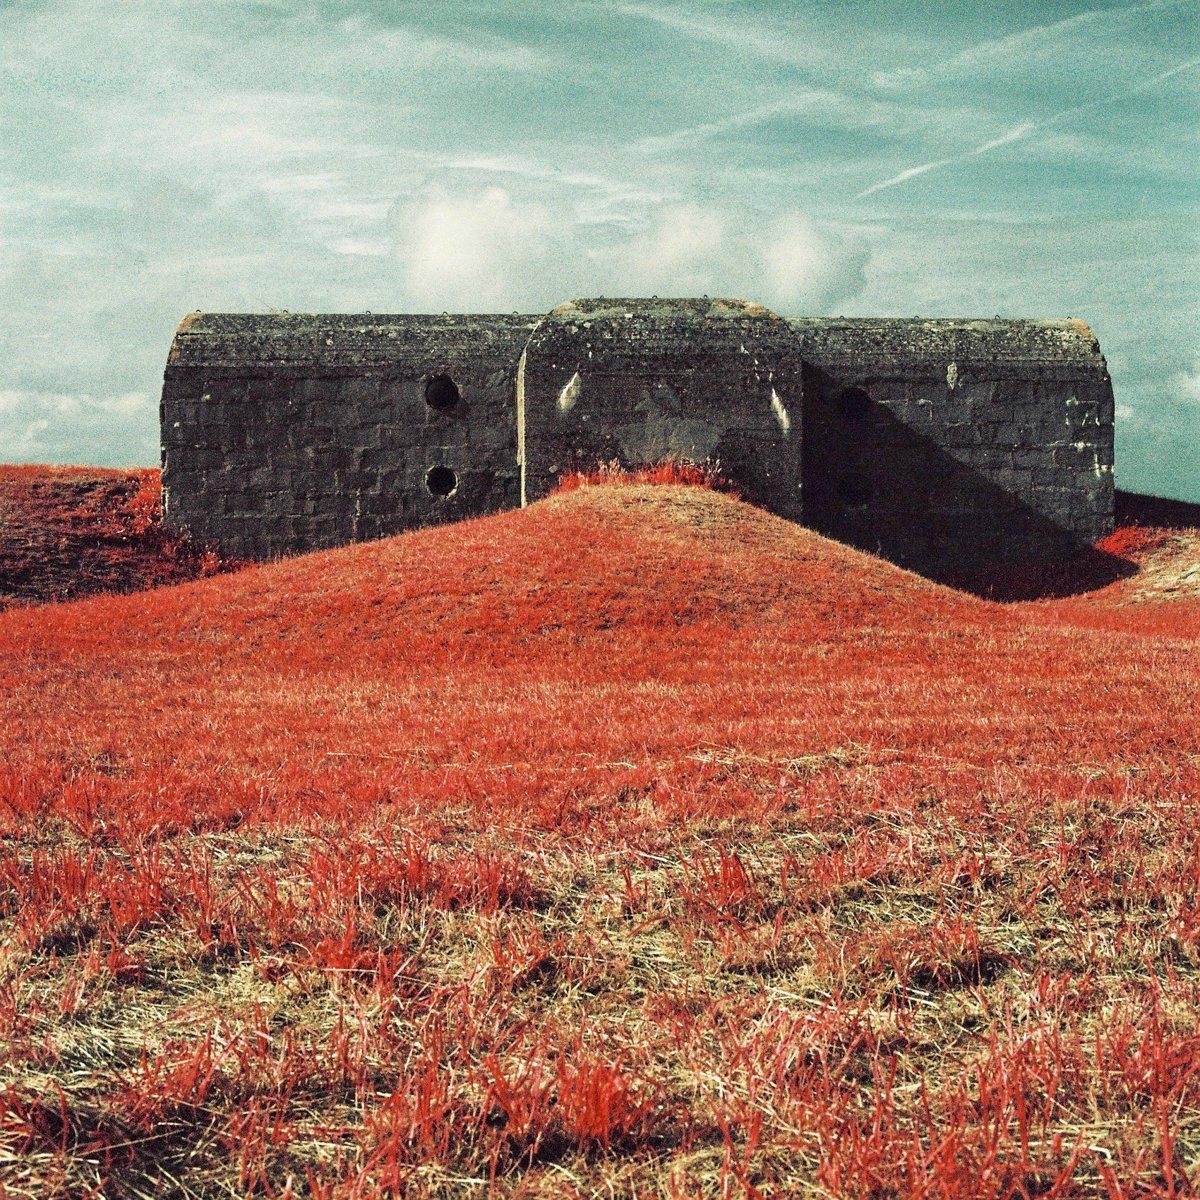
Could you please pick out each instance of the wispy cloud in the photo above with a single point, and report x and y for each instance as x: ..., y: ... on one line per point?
x: 1188, y: 385
x: 730, y: 29
x: 840, y: 109
x: 357, y: 42
x: 1032, y: 39
x: 1026, y: 129
x: 827, y: 108
x: 1015, y: 134
x: 1039, y: 35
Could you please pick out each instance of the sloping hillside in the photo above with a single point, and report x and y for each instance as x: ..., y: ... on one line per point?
x: 748, y: 629
x: 67, y: 532
x: 71, y: 532
x: 1162, y: 538
x: 635, y: 843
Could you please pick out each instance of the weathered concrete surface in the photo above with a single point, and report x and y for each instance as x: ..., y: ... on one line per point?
x: 288, y: 433
x: 979, y: 442
x: 640, y: 381
x: 943, y: 444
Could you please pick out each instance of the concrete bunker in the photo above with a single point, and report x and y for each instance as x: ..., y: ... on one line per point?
x: 952, y: 445
x: 944, y: 445
x: 285, y: 432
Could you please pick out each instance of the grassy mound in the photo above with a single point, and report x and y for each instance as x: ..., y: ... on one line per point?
x: 635, y: 843
x: 67, y: 532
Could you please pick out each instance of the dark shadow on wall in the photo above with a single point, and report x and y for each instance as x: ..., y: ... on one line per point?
x: 884, y: 486
x: 1135, y: 508
x: 1091, y: 568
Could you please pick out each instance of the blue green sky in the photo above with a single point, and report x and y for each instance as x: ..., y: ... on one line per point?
x: 869, y: 158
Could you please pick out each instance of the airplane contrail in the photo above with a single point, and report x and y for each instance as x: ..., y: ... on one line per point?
x: 1025, y: 129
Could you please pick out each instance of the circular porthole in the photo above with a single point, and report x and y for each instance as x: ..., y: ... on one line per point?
x: 854, y: 404
x: 441, y: 393
x: 441, y: 481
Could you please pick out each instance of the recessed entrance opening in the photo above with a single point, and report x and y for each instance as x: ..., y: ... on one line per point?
x: 854, y: 404
x: 441, y: 481
x: 441, y: 393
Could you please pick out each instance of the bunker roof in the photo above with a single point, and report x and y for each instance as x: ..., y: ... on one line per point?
x: 916, y: 345
x: 872, y: 346
x: 343, y: 340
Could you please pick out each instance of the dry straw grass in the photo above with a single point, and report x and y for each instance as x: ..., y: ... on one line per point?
x: 637, y: 844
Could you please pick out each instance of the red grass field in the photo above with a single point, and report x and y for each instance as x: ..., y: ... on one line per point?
x: 637, y: 843
x: 67, y: 532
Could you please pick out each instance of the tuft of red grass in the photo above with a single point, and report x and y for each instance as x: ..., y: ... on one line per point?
x: 680, y: 472
x: 1135, y: 542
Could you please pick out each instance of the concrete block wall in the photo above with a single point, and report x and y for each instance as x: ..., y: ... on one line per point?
x: 948, y: 446
x: 943, y: 445
x: 290, y: 433
x: 637, y: 382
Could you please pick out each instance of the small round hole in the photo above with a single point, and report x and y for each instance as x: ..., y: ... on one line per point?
x: 441, y: 393
x: 854, y: 404
x: 441, y: 481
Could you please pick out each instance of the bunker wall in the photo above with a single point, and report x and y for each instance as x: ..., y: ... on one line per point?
x: 637, y: 382
x: 288, y: 433
x: 950, y: 446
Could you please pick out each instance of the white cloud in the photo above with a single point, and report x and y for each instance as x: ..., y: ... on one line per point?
x: 473, y: 250
x: 361, y: 247
x: 1187, y: 385
x: 682, y: 251
x: 492, y: 247
x: 38, y: 426
x: 805, y: 266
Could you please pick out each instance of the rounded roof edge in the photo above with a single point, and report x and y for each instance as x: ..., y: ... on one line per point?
x: 340, y: 340
x: 873, y: 344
